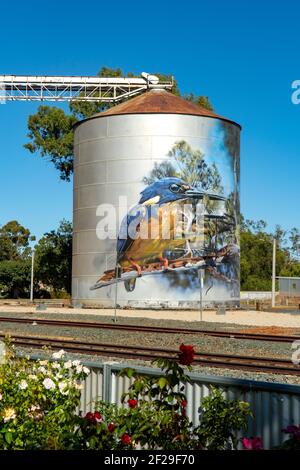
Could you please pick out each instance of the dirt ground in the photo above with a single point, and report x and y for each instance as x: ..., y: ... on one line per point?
x: 242, y: 317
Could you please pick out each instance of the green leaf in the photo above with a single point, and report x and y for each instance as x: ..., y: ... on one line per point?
x: 8, y: 437
x: 128, y: 372
x: 162, y: 382
x: 19, y: 442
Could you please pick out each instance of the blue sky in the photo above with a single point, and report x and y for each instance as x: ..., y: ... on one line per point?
x: 243, y: 55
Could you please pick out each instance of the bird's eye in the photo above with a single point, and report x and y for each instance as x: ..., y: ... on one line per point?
x: 175, y: 188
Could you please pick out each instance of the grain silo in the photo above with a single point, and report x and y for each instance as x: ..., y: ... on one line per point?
x: 136, y: 154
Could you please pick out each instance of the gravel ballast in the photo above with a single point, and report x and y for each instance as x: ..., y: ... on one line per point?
x: 202, y: 343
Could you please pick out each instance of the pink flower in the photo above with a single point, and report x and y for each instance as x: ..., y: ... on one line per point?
x: 252, y: 444
x: 293, y: 430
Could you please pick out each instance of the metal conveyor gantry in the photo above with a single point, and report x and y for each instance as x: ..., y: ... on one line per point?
x: 72, y: 88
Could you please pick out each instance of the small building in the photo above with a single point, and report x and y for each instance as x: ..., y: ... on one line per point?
x: 289, y: 286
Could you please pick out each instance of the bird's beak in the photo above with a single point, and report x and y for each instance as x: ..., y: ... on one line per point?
x: 194, y: 193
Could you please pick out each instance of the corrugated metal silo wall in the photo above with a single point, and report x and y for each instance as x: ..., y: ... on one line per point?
x: 116, y: 157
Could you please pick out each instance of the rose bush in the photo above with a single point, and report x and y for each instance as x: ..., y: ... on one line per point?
x: 220, y: 420
x: 293, y: 442
x: 38, y: 401
x: 154, y: 414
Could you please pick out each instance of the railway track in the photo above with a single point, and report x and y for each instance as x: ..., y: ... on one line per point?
x: 153, y: 329
x: 249, y: 363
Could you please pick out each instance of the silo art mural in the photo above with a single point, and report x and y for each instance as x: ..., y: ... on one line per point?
x: 177, y: 218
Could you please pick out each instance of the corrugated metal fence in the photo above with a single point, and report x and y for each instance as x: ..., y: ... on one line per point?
x: 274, y: 406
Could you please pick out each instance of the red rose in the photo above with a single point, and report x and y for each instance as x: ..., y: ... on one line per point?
x: 126, y: 439
x: 186, y: 355
x: 183, y: 405
x: 97, y: 417
x: 93, y: 417
x: 111, y: 427
x: 132, y: 403
x: 89, y: 416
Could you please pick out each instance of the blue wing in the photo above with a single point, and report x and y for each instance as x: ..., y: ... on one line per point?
x: 129, y: 229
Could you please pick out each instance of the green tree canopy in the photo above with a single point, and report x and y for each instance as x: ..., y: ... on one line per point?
x: 257, y: 253
x: 54, y: 258
x: 202, y: 101
x: 15, y: 278
x: 14, y: 260
x: 50, y: 130
x: 14, y: 241
x: 51, y: 134
x: 53, y: 262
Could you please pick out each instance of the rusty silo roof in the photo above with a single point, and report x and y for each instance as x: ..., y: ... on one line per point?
x: 159, y: 102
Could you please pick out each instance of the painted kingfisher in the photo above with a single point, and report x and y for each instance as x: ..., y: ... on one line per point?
x: 136, y: 245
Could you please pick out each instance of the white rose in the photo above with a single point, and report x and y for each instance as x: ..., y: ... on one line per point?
x: 59, y: 354
x: 86, y: 370
x: 34, y: 408
x: 1, y: 396
x: 56, y: 365
x: 32, y: 377
x: 79, y: 368
x: 63, y: 388
x: 23, y: 385
x: 68, y: 364
x: 42, y: 370
x: 9, y: 414
x: 43, y: 363
x: 35, y: 412
x: 48, y: 384
x: 78, y: 386
x: 75, y: 363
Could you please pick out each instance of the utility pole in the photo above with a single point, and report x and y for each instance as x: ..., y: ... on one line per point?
x: 201, y: 279
x: 117, y: 276
x: 32, y: 275
x: 274, y: 273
